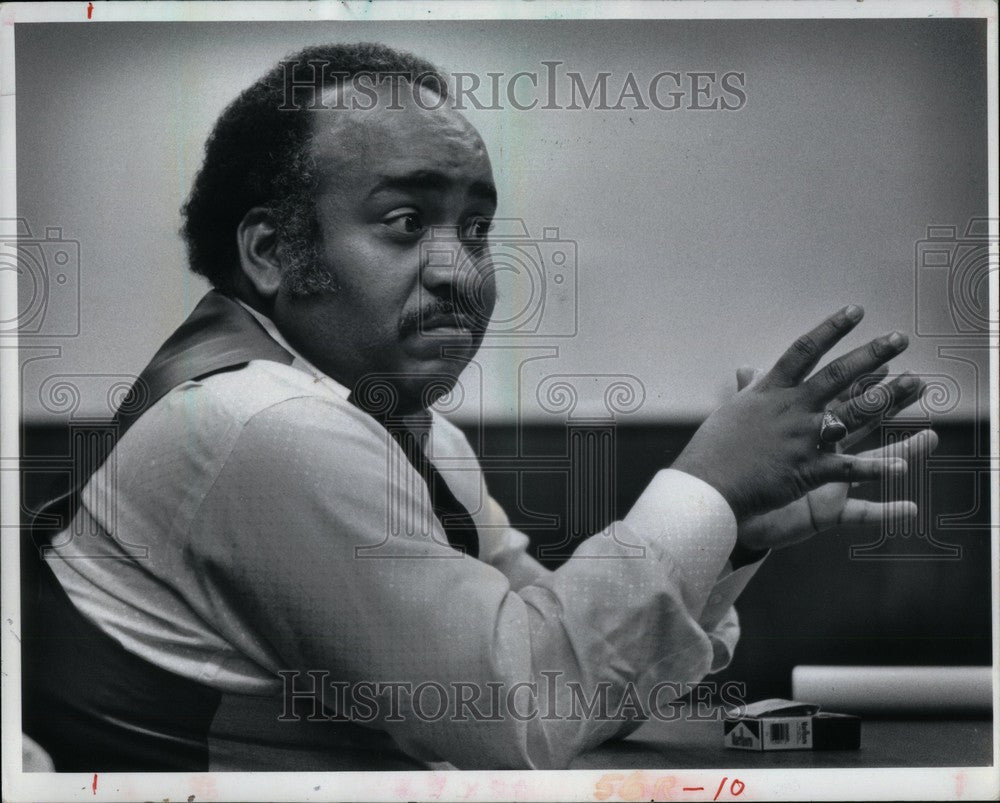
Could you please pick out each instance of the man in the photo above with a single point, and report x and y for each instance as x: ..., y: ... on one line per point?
x: 315, y: 591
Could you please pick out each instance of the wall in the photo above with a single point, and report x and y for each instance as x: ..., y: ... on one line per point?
x: 704, y: 239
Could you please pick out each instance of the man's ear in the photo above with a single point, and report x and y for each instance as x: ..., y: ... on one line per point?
x: 257, y: 241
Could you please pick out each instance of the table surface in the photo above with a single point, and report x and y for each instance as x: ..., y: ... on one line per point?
x: 687, y: 744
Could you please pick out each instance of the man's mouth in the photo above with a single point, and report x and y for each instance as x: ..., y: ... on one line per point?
x: 445, y: 324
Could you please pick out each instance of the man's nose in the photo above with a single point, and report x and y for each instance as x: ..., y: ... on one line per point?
x: 450, y: 263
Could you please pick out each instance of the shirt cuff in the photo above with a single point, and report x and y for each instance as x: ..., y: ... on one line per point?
x: 691, y: 525
x: 725, y: 592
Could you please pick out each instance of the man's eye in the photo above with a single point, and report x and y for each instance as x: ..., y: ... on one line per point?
x: 409, y: 223
x: 479, y: 229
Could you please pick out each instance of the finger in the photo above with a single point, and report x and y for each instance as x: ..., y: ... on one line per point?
x: 879, y: 401
x: 916, y: 447
x: 864, y: 383
x: 803, y: 355
x: 746, y: 376
x: 912, y: 450
x: 837, y: 375
x: 832, y: 467
x: 864, y: 431
x: 861, y: 511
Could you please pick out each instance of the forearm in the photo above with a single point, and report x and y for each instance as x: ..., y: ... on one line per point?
x: 614, y: 631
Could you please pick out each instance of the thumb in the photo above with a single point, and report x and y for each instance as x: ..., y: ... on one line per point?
x: 747, y: 375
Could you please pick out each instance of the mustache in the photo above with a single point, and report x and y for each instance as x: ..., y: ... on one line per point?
x: 465, y: 309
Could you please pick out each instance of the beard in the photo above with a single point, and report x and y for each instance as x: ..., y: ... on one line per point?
x: 302, y: 272
x: 302, y: 275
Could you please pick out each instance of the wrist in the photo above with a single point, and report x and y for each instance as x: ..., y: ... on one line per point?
x: 696, y: 468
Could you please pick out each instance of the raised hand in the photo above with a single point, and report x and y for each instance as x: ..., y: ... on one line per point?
x: 829, y: 505
x: 761, y: 450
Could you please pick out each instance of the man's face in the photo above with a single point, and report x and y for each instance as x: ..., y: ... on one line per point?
x: 404, y: 202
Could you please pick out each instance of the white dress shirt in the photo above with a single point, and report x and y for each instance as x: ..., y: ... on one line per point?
x: 286, y: 532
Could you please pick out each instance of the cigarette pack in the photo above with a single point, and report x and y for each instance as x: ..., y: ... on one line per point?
x: 788, y: 725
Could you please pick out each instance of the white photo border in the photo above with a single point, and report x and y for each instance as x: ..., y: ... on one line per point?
x: 790, y: 784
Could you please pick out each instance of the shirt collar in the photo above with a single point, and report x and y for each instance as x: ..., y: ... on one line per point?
x: 298, y: 361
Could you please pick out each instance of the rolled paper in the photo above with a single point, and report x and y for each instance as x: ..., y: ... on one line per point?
x: 910, y: 690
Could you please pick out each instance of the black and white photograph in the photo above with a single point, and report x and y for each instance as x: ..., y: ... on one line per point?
x: 499, y: 401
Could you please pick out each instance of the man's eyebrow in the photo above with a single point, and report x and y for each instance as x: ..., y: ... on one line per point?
x: 430, y: 180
